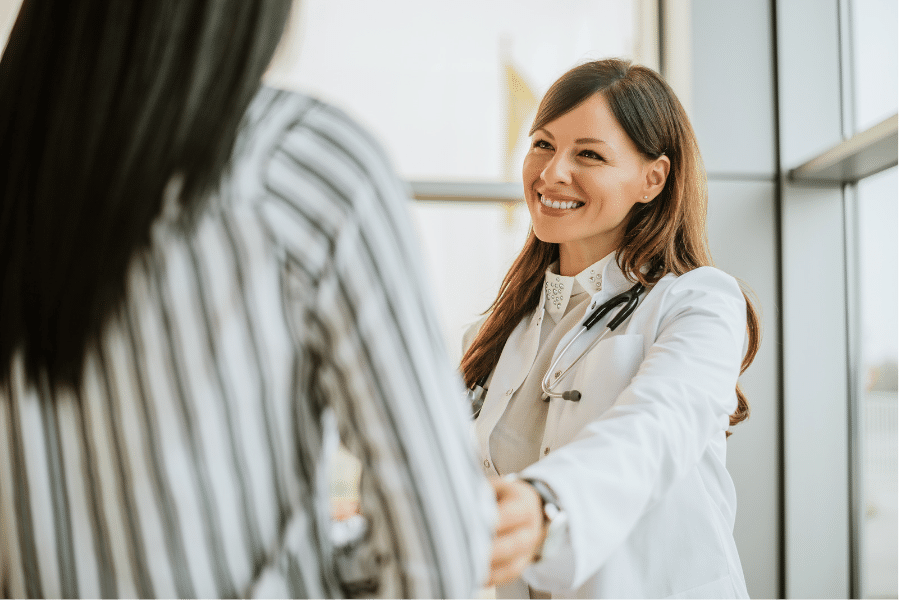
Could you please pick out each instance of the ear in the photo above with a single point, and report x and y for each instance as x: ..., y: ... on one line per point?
x: 656, y: 172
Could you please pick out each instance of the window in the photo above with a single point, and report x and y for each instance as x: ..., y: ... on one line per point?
x: 873, y: 43
x: 874, y: 52
x: 877, y: 389
x: 448, y: 87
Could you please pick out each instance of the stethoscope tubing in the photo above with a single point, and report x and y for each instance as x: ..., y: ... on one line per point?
x: 547, y: 385
x: 630, y: 298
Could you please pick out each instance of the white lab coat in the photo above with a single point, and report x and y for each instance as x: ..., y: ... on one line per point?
x: 639, y: 463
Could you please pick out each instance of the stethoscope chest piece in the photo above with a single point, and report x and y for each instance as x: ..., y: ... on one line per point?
x: 630, y: 299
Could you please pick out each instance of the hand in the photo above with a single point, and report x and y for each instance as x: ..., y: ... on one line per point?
x: 343, y: 508
x: 520, y: 530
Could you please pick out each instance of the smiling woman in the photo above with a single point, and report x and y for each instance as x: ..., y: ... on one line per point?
x: 601, y: 489
x: 581, y: 189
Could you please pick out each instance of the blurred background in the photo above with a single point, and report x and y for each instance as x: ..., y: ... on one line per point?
x: 795, y: 106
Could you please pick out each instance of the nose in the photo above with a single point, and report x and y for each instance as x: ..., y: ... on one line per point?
x: 557, y: 170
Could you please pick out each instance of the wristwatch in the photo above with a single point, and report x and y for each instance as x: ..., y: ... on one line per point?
x: 554, y: 516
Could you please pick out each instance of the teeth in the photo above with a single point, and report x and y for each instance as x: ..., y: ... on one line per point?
x: 558, y: 204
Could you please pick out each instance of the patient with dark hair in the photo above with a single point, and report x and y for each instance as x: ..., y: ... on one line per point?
x: 205, y: 283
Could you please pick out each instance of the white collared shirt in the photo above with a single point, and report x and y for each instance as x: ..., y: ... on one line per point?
x: 559, y: 289
x: 516, y: 439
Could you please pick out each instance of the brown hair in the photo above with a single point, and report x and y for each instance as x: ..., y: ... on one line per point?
x: 668, y: 234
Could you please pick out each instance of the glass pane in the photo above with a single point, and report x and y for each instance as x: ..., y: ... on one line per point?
x: 874, y: 24
x: 877, y: 215
x: 449, y: 87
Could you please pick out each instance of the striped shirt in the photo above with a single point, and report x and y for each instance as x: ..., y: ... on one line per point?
x: 195, y: 459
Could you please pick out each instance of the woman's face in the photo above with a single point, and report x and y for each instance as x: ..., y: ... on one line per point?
x: 582, y: 175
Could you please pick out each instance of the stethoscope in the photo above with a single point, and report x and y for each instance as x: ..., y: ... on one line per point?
x: 630, y: 299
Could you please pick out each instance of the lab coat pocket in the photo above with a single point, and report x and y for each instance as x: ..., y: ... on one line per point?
x: 600, y: 377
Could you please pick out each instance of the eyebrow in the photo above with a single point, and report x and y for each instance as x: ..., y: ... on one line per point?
x: 590, y: 141
x: 578, y: 141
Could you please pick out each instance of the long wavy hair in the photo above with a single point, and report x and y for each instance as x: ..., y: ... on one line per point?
x: 668, y: 235
x: 101, y: 103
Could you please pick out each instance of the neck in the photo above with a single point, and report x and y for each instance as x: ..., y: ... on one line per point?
x: 575, y: 258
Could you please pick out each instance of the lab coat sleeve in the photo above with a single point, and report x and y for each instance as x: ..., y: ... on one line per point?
x: 619, y: 465
x: 381, y: 368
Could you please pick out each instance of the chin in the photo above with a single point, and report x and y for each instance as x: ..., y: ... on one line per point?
x: 548, y: 235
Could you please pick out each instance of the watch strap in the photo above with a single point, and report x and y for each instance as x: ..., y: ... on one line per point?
x: 548, y: 498
x: 555, y: 517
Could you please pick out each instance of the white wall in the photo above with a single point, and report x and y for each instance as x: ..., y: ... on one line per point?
x: 733, y: 113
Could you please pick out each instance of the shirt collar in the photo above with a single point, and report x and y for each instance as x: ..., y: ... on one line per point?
x: 559, y: 289
x: 592, y: 278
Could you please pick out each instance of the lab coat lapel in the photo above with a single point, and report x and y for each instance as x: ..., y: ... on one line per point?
x: 515, y: 362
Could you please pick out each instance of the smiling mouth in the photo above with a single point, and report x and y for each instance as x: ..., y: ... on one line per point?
x: 557, y: 204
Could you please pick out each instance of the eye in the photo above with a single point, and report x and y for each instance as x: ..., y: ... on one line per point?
x: 591, y: 154
x: 542, y: 144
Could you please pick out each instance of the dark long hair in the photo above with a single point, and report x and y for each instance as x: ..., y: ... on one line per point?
x: 668, y: 234
x: 101, y: 103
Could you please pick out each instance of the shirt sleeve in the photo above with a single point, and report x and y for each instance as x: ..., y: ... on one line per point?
x: 382, y: 366
x: 656, y: 431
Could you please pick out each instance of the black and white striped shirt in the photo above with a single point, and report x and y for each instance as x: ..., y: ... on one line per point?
x: 194, y: 461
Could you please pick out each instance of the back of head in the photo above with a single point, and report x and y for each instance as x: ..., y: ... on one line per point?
x: 101, y: 103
